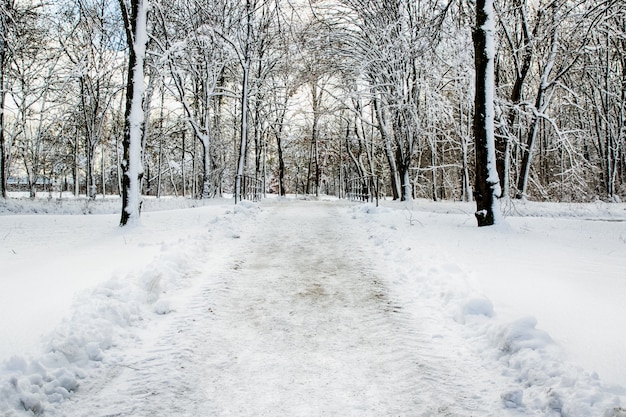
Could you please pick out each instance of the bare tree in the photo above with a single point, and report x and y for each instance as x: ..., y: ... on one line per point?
x: 520, y: 35
x: 605, y: 97
x: 565, y: 24
x: 255, y: 49
x: 487, y: 184
x: 35, y: 89
x: 89, y: 45
x: 245, y: 60
x: 135, y: 16
x: 6, y: 8
x: 194, y: 45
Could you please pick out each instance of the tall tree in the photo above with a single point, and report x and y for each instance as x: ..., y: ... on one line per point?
x: 36, y: 82
x: 135, y: 17
x: 194, y: 43
x: 519, y: 34
x: 5, y: 12
x: 487, y: 185
x: 565, y: 31
x: 246, y: 61
x: 605, y: 73
x: 90, y: 46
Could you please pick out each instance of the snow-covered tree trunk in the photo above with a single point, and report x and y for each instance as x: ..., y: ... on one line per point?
x: 278, y: 128
x: 3, y: 53
x: 404, y: 151
x: 487, y: 185
x: 521, y: 47
x: 541, y: 104
x: 384, y: 134
x: 245, y: 90
x: 316, y: 101
x: 241, y: 163
x: 407, y: 192
x: 207, y: 191
x: 135, y: 22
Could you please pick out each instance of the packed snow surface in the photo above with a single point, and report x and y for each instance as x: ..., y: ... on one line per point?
x: 311, y: 308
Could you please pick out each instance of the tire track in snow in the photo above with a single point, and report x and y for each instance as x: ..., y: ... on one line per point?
x: 163, y: 376
x: 308, y: 329
x: 302, y: 324
x: 163, y: 373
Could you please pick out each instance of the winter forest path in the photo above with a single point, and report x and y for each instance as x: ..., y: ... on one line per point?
x: 307, y: 328
x: 300, y: 323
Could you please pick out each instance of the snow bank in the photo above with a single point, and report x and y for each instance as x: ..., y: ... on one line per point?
x: 423, y: 273
x: 107, y: 319
x: 596, y: 210
x: 430, y: 255
x: 20, y: 203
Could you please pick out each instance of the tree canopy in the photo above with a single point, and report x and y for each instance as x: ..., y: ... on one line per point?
x: 302, y: 97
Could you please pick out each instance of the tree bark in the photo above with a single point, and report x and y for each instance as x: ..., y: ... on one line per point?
x: 316, y: 97
x: 3, y: 54
x: 403, y: 159
x: 244, y: 104
x: 384, y: 134
x: 135, y: 22
x: 487, y: 185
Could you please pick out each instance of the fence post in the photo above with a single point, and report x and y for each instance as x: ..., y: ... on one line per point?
x: 249, y: 188
x: 364, y: 189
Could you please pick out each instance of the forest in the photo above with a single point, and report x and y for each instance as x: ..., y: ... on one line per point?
x: 307, y: 97
x: 309, y: 305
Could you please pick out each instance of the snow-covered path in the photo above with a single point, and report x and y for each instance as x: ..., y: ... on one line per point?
x: 306, y: 327
x: 293, y: 308
x: 300, y: 323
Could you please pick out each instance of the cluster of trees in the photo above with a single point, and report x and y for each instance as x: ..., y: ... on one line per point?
x: 304, y: 95
x: 560, y: 85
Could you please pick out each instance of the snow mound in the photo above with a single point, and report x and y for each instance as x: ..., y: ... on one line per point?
x: 478, y: 306
x: 68, y: 204
x: 540, y: 381
x: 522, y: 334
x: 104, y: 320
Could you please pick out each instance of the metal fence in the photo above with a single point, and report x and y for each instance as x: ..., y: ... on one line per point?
x: 251, y: 188
x: 363, y: 189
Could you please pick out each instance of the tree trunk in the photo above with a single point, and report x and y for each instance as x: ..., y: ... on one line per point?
x: 135, y: 22
x: 89, y: 110
x: 384, y: 134
x: 3, y: 53
x: 258, y: 135
x: 281, y: 167
x: 206, y: 161
x: 244, y: 105
x: 403, y: 162
x: 316, y: 97
x: 433, y: 168
x: 487, y: 186
x: 466, y: 192
x: 279, y: 147
x: 522, y: 67
x: 407, y: 193
x: 103, y: 171
x: 541, y: 103
x: 183, y: 178
x: 466, y: 188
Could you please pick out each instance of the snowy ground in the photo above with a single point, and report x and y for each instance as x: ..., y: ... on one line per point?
x: 312, y: 308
